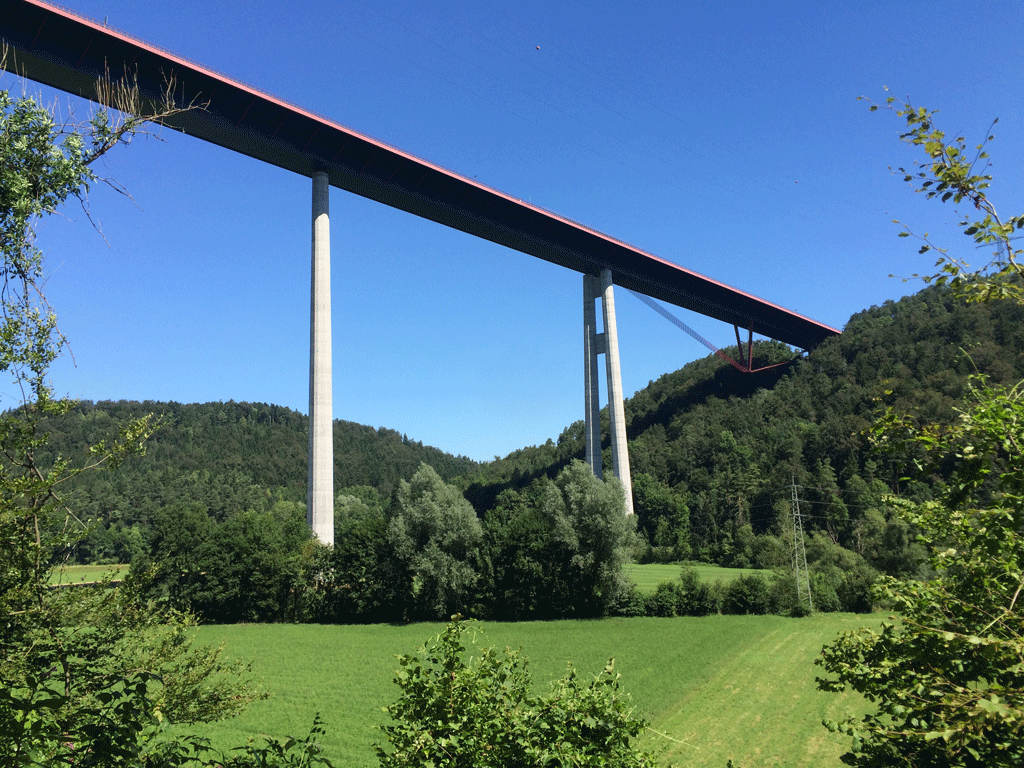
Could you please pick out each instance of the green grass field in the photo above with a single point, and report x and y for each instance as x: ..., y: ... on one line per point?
x: 647, y: 577
x: 84, y: 574
x: 720, y: 687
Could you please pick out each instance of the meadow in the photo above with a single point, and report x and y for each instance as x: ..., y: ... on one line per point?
x: 718, y: 687
x: 648, y: 576
x: 85, y: 574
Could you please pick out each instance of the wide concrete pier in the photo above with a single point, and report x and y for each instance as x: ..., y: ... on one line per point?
x: 606, y: 343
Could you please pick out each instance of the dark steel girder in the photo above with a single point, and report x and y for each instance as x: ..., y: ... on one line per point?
x: 57, y: 48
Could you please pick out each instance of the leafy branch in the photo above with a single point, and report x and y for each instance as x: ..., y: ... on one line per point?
x: 954, y: 172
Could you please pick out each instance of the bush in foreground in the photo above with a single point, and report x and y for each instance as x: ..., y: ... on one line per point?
x: 478, y: 711
x: 947, y: 679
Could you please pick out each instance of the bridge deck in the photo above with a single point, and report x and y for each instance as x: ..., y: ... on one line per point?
x: 60, y: 49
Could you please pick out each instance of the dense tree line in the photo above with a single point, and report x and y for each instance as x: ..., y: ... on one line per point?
x: 715, y: 455
x: 554, y: 551
x: 715, y: 452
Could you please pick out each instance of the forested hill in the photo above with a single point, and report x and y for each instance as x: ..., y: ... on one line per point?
x: 713, y: 451
x: 227, y: 457
x: 725, y: 445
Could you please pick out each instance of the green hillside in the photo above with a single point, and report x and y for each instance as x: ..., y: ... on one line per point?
x: 715, y: 450
x: 720, y: 461
x: 224, y: 457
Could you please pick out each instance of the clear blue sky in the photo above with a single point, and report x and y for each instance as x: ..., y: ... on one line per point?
x: 724, y: 136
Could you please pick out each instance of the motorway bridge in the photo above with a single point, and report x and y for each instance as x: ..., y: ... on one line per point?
x: 58, y: 48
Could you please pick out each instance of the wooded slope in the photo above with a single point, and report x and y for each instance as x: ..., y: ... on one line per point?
x: 714, y: 451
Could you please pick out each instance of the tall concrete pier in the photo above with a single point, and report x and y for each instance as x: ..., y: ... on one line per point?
x: 606, y: 343
x: 320, y: 485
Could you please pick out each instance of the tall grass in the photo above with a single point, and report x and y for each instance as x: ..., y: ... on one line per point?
x: 720, y: 687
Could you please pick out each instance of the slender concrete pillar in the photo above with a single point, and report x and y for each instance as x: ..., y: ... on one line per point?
x: 620, y: 452
x: 591, y: 349
x: 320, y: 486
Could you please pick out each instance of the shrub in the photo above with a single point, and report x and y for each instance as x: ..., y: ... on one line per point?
x: 770, y: 552
x: 630, y: 602
x: 825, y: 584
x: 697, y: 598
x: 748, y: 594
x: 784, y: 597
x: 665, y: 600
x: 855, y: 590
x: 479, y: 712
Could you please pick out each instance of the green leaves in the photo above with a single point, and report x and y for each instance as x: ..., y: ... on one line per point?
x: 437, y: 536
x: 951, y: 172
x: 88, y: 676
x: 947, y: 679
x: 287, y: 753
x: 478, y: 711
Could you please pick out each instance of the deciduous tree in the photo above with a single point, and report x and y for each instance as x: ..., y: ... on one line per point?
x: 436, y: 533
x: 86, y: 678
x: 953, y: 171
x: 946, y: 676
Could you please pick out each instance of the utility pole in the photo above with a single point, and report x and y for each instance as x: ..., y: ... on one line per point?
x: 803, y: 579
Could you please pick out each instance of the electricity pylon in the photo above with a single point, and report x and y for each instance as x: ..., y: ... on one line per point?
x: 803, y: 579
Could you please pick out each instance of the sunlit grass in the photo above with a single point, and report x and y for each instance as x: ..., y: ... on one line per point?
x: 647, y: 577
x: 84, y: 574
x: 721, y: 687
